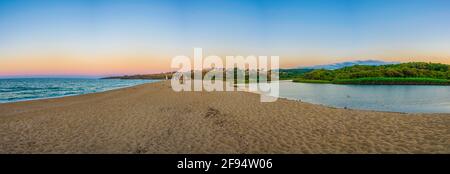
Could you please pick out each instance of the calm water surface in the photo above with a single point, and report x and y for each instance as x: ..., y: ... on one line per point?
x: 395, y: 98
x: 12, y: 90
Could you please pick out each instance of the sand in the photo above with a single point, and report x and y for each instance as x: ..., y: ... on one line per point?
x: 151, y: 118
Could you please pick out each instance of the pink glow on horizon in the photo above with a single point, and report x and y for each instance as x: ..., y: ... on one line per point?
x: 131, y: 64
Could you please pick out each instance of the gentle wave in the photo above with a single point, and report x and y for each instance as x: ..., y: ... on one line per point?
x: 13, y: 90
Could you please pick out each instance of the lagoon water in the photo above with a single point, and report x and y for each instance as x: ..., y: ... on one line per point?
x: 394, y: 98
x: 12, y: 90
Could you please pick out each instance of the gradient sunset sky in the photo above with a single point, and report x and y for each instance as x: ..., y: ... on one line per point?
x: 114, y: 37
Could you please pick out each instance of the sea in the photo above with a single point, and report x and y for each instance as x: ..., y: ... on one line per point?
x: 23, y: 89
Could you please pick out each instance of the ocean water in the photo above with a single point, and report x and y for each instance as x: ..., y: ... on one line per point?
x: 394, y: 98
x: 12, y: 90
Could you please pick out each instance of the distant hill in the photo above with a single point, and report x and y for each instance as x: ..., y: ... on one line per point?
x: 144, y: 76
x: 350, y: 63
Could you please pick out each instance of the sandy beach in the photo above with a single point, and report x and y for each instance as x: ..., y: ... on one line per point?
x: 151, y: 118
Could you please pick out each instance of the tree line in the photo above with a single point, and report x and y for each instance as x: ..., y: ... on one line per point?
x: 403, y: 70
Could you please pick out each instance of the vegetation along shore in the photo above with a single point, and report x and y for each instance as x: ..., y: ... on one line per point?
x: 415, y: 73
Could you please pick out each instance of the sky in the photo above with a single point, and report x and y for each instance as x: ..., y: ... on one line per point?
x: 96, y: 38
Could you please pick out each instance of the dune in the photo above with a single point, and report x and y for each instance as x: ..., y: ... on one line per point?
x: 151, y: 118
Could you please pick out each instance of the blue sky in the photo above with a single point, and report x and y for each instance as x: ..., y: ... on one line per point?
x: 301, y: 32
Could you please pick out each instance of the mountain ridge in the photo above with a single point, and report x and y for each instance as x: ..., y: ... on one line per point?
x: 339, y: 65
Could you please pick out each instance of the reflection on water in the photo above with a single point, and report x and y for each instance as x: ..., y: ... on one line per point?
x: 12, y: 90
x: 395, y: 98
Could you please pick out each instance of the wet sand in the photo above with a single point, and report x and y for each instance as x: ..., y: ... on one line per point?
x: 151, y: 118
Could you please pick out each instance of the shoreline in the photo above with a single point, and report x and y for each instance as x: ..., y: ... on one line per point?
x: 71, y: 95
x: 151, y: 118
